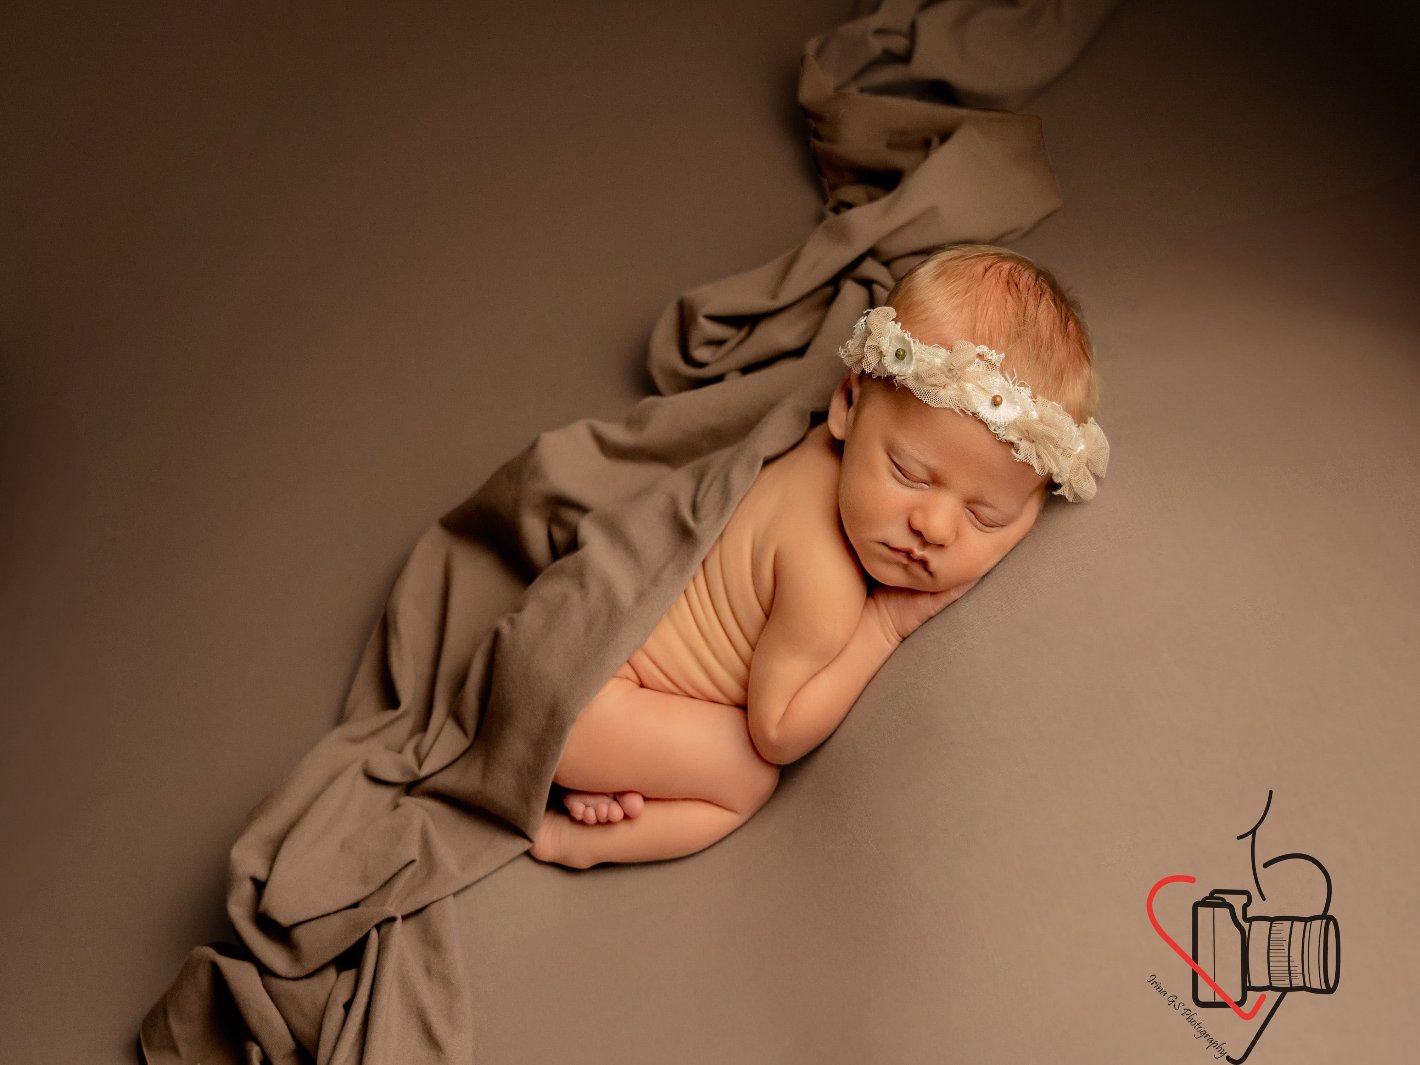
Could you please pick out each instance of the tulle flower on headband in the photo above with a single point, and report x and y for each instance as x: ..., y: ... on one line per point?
x: 967, y: 377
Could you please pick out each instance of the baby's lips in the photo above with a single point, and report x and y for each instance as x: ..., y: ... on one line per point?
x: 921, y: 561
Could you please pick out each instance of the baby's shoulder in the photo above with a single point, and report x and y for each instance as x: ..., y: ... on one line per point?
x: 796, y: 495
x: 812, y: 556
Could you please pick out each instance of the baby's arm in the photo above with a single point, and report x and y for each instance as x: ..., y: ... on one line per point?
x: 822, y: 643
x: 806, y: 673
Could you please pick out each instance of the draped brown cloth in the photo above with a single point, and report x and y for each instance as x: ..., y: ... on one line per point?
x: 515, y: 608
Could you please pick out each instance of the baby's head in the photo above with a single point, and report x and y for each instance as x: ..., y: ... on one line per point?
x: 949, y: 449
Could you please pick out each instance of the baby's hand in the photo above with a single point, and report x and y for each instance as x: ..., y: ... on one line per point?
x: 903, y: 610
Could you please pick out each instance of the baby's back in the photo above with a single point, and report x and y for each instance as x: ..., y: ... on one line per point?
x: 704, y: 644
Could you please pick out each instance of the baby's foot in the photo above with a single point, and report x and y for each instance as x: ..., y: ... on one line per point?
x: 550, y: 845
x: 592, y: 808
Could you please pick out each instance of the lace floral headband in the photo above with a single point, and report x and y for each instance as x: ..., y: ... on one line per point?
x: 968, y: 378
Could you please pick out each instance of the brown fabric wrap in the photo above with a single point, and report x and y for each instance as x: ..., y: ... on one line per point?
x: 463, y: 699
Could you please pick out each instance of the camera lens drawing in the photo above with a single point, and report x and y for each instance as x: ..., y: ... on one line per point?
x: 1234, y: 952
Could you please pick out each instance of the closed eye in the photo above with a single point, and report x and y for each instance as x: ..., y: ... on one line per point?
x: 904, y: 476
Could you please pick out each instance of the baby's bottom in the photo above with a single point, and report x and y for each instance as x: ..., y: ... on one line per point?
x: 692, y: 760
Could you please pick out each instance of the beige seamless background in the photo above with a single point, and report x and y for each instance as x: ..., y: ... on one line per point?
x: 251, y: 258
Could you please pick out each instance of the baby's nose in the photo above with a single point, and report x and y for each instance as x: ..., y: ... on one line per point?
x: 935, y: 524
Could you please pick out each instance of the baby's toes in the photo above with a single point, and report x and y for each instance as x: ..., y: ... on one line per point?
x: 631, y: 803
x: 595, y: 808
x: 579, y: 807
x: 591, y: 808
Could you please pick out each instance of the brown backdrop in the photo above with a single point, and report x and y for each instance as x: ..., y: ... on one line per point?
x: 249, y: 260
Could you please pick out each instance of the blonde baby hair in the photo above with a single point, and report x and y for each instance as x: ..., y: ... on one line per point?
x: 1000, y: 298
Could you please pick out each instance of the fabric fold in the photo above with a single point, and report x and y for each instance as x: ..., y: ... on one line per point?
x: 341, y: 881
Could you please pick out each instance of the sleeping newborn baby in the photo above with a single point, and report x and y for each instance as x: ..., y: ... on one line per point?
x: 969, y: 395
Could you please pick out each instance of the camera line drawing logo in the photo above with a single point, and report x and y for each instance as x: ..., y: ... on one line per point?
x: 1234, y: 952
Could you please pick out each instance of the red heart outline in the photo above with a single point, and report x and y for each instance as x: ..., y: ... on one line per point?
x: 1149, y: 907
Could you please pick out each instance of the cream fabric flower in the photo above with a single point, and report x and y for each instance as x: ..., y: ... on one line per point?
x: 998, y: 407
x: 962, y: 356
x: 897, y: 352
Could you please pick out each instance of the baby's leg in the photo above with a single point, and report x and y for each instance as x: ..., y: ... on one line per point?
x: 592, y: 807
x: 692, y: 760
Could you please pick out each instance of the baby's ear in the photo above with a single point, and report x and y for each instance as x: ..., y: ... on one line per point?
x: 843, y: 404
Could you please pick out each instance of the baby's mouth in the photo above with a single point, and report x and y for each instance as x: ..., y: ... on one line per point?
x: 919, y: 563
